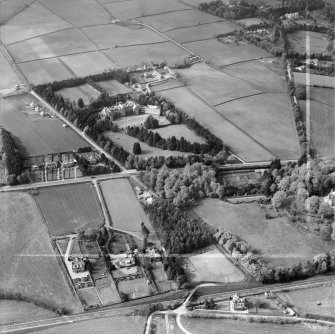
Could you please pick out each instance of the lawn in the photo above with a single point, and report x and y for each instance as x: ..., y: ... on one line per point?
x: 46, y: 70
x: 138, y: 120
x: 36, y: 135
x: 267, y: 119
x: 305, y: 300
x: 136, y: 288
x: 135, y: 55
x: 212, y: 266
x: 89, y: 63
x: 226, y: 54
x: 33, y: 21
x: 59, y: 43
x: 202, y: 31
x: 115, y: 35
x: 88, y: 297
x: 178, y: 19
x: 124, y: 208
x: 9, y: 77
x: 278, y: 241
x: 240, y: 143
x: 68, y: 208
x: 86, y: 92
x: 127, y: 142
x: 314, y: 80
x: 317, y: 42
x: 108, y: 294
x: 113, y: 87
x: 29, y: 264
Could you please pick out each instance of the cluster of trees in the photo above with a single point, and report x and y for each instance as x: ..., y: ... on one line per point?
x: 174, y: 270
x: 151, y: 123
x: 178, y: 231
x: 184, y: 187
x: 155, y: 140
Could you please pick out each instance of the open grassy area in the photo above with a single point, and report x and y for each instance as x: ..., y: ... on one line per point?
x: 138, y: 120
x: 166, y: 85
x: 136, y: 288
x: 278, y: 241
x: 317, y: 41
x: 68, y: 208
x: 305, y: 300
x: 36, y: 135
x: 9, y: 77
x: 29, y: 264
x: 9, y: 8
x: 113, y: 87
x: 323, y: 95
x: 314, y: 80
x: 211, y: 266
x: 86, y: 92
x: 89, y: 297
x: 250, y: 21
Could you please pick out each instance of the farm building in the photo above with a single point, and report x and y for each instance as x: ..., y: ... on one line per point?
x: 78, y: 265
x: 330, y: 199
x: 105, y: 112
x: 152, y: 110
x: 238, y: 304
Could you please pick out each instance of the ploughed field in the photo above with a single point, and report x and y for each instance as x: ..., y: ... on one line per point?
x: 29, y: 264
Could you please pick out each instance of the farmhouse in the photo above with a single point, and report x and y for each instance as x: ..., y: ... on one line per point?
x: 330, y: 199
x: 238, y: 304
x: 105, y: 112
x: 78, y: 265
x: 152, y: 110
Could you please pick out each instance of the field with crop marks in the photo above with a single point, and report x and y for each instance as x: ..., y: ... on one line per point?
x: 278, y: 241
x: 36, y: 135
x: 301, y: 40
x: 30, y: 266
x: 86, y: 92
x: 68, y: 208
x: 113, y: 87
x: 314, y: 80
x: 211, y: 266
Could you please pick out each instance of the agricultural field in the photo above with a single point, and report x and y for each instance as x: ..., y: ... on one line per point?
x: 305, y: 300
x: 113, y: 87
x: 135, y: 288
x: 314, y: 80
x: 33, y: 21
x: 89, y: 63
x: 86, y: 92
x: 30, y: 266
x: 239, y: 142
x: 115, y: 35
x: 119, y: 324
x: 138, y: 54
x: 178, y: 19
x: 35, y: 135
x: 127, y: 142
x: 232, y: 53
x: 250, y: 21
x: 323, y: 95
x: 268, y: 120
x: 68, y: 208
x: 166, y: 85
x: 136, y: 8
x: 211, y: 266
x: 202, y: 31
x: 278, y: 241
x: 9, y: 8
x: 308, y: 41
x: 9, y: 78
x: 124, y: 208
x: 45, y: 70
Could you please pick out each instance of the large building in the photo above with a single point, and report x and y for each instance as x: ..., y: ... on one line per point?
x: 152, y: 110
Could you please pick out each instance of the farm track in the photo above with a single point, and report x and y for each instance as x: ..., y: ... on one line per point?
x: 193, y: 25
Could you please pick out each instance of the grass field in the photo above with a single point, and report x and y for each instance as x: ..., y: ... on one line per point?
x: 278, y: 241
x: 232, y: 53
x: 89, y: 297
x: 305, y: 300
x: 136, y: 288
x: 166, y: 85
x: 127, y: 142
x: 250, y: 21
x: 240, y: 143
x: 86, y: 92
x: 323, y: 95
x: 123, y: 206
x: 68, y: 208
x: 59, y: 43
x: 317, y: 41
x: 9, y: 77
x: 241, y: 178
x: 88, y: 63
x: 202, y: 31
x: 118, y: 324
x: 178, y: 19
x: 135, y: 55
x: 113, y: 87
x: 33, y: 137
x: 30, y: 265
x: 33, y: 21
x: 108, y: 294
x: 314, y: 80
x: 266, y: 118
x: 115, y: 35
x: 44, y: 71
x: 138, y: 120
x: 212, y: 266
x: 9, y: 8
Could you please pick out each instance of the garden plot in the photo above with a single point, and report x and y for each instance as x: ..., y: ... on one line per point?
x: 79, y: 12
x: 89, y: 63
x: 314, y: 80
x: 136, y: 8
x: 108, y: 294
x: 59, y: 43
x: 317, y: 41
x: 178, y: 19
x: 46, y: 70
x: 223, y: 54
x: 135, y: 288
x: 68, y: 208
x: 138, y: 54
x: 202, y: 31
x: 211, y: 266
x: 32, y: 21
x: 115, y: 35
x: 89, y: 297
x: 267, y: 119
x: 114, y: 87
x: 85, y: 92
